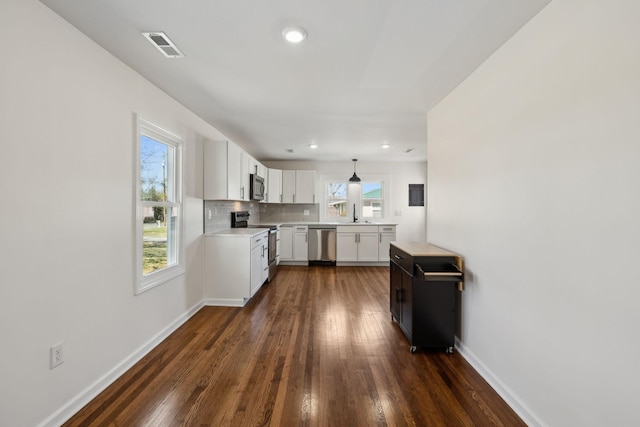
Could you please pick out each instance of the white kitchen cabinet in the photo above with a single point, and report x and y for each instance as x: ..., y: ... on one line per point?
x: 263, y: 171
x: 305, y: 187
x: 346, y: 246
x: 387, y: 234
x: 300, y: 243
x: 278, y: 247
x: 259, y: 261
x: 247, y: 167
x: 298, y: 186
x: 357, y: 243
x: 288, y: 186
x: 223, y: 171
x: 274, y: 186
x: 286, y: 243
x: 236, y: 266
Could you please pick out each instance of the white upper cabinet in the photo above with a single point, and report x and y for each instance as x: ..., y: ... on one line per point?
x: 262, y: 171
x: 274, y: 186
x: 227, y: 170
x: 298, y: 186
x: 222, y: 171
x: 288, y: 186
x: 305, y: 187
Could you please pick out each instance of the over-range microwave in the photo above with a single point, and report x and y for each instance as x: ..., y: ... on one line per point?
x: 256, y: 187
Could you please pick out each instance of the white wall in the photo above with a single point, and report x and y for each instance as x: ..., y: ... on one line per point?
x: 535, y: 178
x: 412, y: 219
x: 67, y: 214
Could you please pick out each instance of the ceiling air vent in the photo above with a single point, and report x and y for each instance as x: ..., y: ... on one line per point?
x: 163, y: 44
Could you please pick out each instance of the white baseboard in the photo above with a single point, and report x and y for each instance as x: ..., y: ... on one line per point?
x: 84, y: 397
x: 505, y: 392
x: 225, y: 302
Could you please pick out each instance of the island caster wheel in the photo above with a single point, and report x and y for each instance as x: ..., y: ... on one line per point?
x: 412, y: 349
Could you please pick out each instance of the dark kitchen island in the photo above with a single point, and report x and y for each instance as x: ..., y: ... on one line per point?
x: 423, y: 286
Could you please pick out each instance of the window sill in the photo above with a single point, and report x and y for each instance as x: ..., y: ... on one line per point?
x: 157, y: 278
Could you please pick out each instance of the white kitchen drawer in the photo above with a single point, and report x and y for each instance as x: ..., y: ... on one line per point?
x: 259, y: 239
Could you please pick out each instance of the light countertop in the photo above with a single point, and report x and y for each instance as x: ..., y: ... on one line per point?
x: 317, y: 223
x: 236, y: 232
x: 418, y: 249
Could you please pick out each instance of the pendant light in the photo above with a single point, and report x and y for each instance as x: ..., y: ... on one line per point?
x: 355, y: 177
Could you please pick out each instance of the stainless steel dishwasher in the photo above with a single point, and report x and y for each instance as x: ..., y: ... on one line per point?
x: 322, y: 244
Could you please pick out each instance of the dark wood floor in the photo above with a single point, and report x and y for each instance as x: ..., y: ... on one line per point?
x: 315, y: 347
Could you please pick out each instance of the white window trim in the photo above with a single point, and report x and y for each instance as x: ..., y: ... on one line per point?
x: 142, y: 282
x: 384, y: 179
x: 386, y: 197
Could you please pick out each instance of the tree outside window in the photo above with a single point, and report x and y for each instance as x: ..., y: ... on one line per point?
x: 336, y: 200
x: 159, y: 206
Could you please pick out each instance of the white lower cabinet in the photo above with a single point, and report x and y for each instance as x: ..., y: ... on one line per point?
x: 236, y: 266
x: 286, y: 243
x: 259, y: 261
x: 300, y: 243
x: 387, y: 234
x: 294, y: 247
x: 357, y: 243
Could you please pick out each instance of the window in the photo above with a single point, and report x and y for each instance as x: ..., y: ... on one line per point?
x: 371, y: 199
x: 158, y: 206
x: 336, y: 198
x: 366, y: 199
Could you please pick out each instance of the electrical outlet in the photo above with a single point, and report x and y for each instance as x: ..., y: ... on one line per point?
x: 306, y: 212
x: 209, y: 213
x: 56, y: 355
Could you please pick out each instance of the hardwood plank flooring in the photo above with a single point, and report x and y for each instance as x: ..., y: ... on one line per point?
x: 315, y: 347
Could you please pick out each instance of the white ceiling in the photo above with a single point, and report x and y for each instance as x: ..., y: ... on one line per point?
x: 367, y: 74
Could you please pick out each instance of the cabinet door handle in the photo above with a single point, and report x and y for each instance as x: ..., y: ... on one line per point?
x: 281, y: 198
x: 379, y: 238
x: 397, y: 257
x: 294, y: 198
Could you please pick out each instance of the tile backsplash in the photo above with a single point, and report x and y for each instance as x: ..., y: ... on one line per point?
x: 217, y: 213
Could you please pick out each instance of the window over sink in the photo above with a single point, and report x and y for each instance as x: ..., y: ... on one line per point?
x: 368, y: 195
x: 336, y: 197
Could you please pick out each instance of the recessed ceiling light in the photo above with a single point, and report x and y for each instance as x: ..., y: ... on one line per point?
x: 313, y: 146
x: 294, y: 34
x: 289, y: 150
x: 385, y: 146
x: 408, y: 150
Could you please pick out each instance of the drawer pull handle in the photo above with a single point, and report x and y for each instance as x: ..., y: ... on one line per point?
x: 397, y: 257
